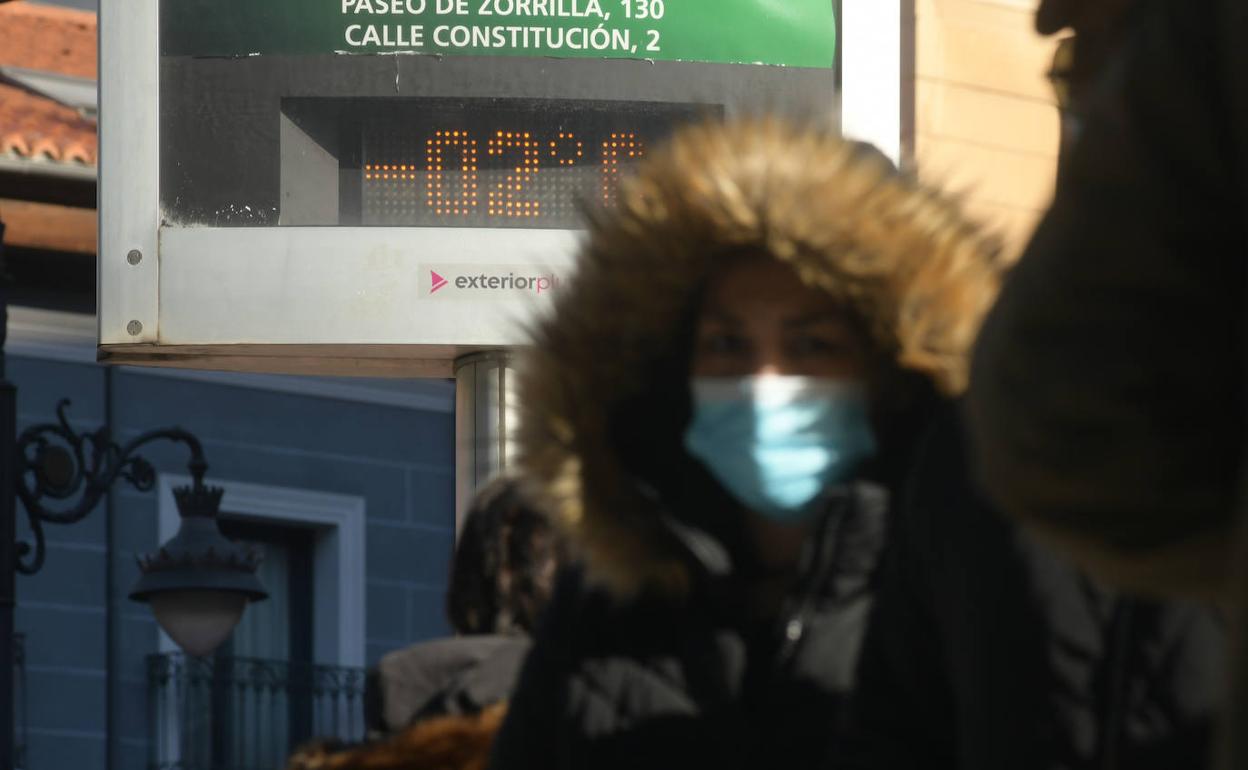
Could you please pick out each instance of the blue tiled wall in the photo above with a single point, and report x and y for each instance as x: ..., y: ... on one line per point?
x: 399, y: 460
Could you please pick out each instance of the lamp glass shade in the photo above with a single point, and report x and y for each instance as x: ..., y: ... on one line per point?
x: 198, y: 620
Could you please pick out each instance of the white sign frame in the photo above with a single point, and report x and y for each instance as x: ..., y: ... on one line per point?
x: 310, y: 306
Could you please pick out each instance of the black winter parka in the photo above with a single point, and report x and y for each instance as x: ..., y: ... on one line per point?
x: 652, y: 683
x: 987, y: 650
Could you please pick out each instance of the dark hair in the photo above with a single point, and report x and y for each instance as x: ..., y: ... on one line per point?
x: 506, y: 557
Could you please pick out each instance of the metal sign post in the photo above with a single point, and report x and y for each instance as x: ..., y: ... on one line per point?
x: 485, y: 420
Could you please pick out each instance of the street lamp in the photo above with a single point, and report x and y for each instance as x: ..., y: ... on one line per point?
x: 197, y: 582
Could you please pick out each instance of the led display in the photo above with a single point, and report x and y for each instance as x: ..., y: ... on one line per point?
x: 504, y: 162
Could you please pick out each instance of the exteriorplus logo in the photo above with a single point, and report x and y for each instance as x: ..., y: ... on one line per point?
x: 489, y: 281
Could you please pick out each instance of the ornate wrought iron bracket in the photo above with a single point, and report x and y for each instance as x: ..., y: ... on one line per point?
x: 56, y: 464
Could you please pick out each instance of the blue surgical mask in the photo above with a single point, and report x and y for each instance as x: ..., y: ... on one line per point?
x: 777, y: 442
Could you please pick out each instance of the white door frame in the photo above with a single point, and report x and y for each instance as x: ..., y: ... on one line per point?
x: 338, y: 587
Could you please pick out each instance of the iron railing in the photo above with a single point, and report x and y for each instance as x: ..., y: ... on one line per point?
x: 247, y: 713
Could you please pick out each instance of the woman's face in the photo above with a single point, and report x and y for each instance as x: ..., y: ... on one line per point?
x: 759, y: 318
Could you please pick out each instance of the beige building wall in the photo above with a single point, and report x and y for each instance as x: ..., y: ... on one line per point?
x: 985, y: 119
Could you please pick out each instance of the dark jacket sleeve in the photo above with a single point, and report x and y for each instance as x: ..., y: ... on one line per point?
x: 530, y: 735
x: 902, y: 715
x: 604, y: 687
x: 981, y: 645
x: 1107, y: 390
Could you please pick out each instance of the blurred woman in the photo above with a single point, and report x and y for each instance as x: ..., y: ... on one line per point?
x: 715, y: 411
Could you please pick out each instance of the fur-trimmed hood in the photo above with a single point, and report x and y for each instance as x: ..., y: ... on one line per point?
x: 596, y: 427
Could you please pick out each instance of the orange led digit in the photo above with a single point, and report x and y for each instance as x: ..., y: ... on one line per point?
x: 507, y: 143
x: 463, y: 200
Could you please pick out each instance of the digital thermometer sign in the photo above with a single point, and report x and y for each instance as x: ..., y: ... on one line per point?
x: 366, y: 185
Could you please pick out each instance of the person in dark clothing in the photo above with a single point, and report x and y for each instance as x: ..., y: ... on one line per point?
x: 986, y: 650
x: 715, y: 409
x: 501, y: 578
x: 1107, y: 407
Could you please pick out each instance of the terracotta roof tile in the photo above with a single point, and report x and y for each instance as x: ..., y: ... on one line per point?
x: 41, y: 37
x: 57, y: 40
x: 34, y: 127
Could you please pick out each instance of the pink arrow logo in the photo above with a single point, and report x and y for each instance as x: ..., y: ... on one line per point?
x: 436, y: 281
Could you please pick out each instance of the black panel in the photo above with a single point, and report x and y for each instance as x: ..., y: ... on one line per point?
x: 222, y: 120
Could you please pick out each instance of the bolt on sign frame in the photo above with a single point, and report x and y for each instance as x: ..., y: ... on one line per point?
x: 378, y: 187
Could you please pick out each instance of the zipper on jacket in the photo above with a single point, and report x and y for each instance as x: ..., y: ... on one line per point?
x: 820, y: 563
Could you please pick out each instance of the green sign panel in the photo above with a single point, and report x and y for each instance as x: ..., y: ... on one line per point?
x: 794, y: 33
